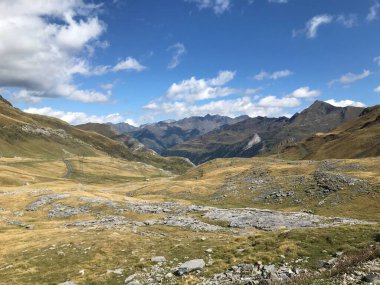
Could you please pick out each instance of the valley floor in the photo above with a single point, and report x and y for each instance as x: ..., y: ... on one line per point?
x: 100, y: 220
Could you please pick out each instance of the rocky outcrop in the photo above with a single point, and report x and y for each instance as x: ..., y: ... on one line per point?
x: 44, y: 200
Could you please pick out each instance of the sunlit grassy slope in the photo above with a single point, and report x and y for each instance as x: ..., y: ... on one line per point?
x: 51, y: 253
x: 42, y: 137
x: 355, y: 139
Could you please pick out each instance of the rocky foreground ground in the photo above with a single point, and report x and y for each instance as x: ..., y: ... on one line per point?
x: 197, y: 228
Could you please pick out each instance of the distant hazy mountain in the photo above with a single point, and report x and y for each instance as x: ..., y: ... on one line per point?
x: 263, y: 135
x: 162, y: 135
x: 123, y: 128
x: 107, y: 130
x: 355, y: 139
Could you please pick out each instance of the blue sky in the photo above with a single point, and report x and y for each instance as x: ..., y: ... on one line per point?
x: 146, y: 60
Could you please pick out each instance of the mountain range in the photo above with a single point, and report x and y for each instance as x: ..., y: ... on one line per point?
x: 203, y: 138
x: 318, y: 132
x: 355, y: 139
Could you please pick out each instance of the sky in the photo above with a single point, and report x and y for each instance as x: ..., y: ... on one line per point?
x: 141, y: 61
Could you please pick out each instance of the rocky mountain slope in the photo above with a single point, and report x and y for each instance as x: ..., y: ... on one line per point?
x: 165, y: 134
x: 123, y: 128
x: 354, y: 139
x: 256, y: 136
x: 28, y: 135
x: 109, y: 131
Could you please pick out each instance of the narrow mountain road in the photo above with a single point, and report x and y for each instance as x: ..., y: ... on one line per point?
x: 69, y: 167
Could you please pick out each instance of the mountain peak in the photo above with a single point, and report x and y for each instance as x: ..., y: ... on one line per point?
x: 2, y: 99
x: 319, y: 104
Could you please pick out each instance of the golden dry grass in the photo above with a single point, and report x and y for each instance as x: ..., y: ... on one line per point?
x: 34, y: 256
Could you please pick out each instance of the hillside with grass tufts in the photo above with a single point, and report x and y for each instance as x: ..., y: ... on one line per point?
x: 36, y: 136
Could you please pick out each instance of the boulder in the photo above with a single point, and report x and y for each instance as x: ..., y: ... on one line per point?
x: 189, y: 266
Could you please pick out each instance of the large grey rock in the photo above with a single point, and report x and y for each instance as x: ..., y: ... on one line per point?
x: 372, y: 278
x: 272, y: 220
x: 190, y: 266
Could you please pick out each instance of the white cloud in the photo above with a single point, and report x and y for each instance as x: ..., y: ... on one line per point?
x: 131, y: 122
x: 278, y: 1
x: 76, y: 118
x: 218, y: 6
x: 377, y: 60
x: 45, y: 44
x: 317, y: 21
x: 377, y: 89
x: 178, y: 50
x: 232, y: 108
x: 345, y: 103
x: 107, y: 86
x: 194, y: 89
x: 188, y: 98
x: 350, y: 78
x: 274, y: 76
x: 347, y: 20
x: 128, y: 64
x: 312, y: 26
x: 304, y: 92
x: 373, y: 11
x: 273, y: 101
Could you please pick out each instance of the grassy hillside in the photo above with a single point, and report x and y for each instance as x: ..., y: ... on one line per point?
x: 36, y: 136
x: 111, y: 202
x: 355, y: 139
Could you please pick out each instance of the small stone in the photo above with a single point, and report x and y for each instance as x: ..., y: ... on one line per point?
x: 158, y: 259
x: 118, y: 271
x: 130, y: 278
x: 169, y: 275
x: 68, y: 283
x: 209, y: 250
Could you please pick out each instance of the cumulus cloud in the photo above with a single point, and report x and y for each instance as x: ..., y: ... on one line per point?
x: 350, y: 78
x: 231, y: 107
x: 273, y: 101
x: 345, y: 103
x: 128, y: 64
x: 77, y: 118
x: 373, y: 11
x: 198, y: 97
x: 45, y: 44
x: 178, y: 51
x: 194, y: 89
x: 304, y: 92
x: 218, y: 6
x: 377, y: 89
x: 263, y: 75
